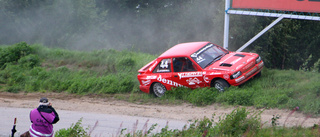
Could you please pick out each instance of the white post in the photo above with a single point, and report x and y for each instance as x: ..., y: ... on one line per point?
x: 226, y: 25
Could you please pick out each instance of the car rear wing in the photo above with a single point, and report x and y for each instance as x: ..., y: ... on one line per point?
x: 146, y: 67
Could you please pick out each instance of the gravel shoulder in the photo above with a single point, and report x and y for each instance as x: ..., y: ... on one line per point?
x: 184, y: 112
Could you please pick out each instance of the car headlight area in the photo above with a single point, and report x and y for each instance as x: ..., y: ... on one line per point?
x: 258, y: 60
x: 235, y: 75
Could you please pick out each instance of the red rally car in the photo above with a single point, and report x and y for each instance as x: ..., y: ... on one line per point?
x: 198, y: 64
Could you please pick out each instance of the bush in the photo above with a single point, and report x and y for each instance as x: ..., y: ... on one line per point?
x: 14, y: 53
x: 178, y: 93
x: 238, y: 122
x: 29, y: 61
x: 14, y: 74
x: 271, y: 100
x: 202, y: 96
x: 126, y: 64
x: 76, y: 130
x: 13, y: 89
x: 237, y: 96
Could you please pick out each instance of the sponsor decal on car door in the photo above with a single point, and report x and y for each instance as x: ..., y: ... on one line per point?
x: 189, y: 79
x: 185, y: 72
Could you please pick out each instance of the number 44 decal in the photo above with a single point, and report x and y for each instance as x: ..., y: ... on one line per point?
x: 164, y: 64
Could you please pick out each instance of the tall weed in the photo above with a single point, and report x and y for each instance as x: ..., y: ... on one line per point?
x: 76, y: 130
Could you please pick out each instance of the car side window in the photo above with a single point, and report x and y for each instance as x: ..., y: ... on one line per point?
x: 164, y: 66
x: 182, y: 64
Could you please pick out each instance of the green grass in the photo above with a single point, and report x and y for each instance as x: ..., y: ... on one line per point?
x: 35, y: 68
x: 278, y: 88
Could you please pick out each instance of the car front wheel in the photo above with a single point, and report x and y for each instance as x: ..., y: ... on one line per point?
x: 221, y: 85
x: 159, y: 89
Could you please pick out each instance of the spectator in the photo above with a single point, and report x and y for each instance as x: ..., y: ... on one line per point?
x: 42, y: 119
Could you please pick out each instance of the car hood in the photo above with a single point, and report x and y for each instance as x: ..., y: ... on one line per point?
x: 234, y: 61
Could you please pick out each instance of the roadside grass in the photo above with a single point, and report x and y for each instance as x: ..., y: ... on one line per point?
x: 240, y: 122
x: 35, y: 68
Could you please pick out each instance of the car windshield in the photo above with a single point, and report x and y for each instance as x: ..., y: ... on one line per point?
x: 208, y: 55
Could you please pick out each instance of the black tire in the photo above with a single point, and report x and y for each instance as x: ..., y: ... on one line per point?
x: 221, y: 85
x: 158, y: 89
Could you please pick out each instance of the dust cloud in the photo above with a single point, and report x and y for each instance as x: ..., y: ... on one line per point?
x: 94, y: 25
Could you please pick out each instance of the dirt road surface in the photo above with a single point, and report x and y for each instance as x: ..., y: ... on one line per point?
x: 89, y: 106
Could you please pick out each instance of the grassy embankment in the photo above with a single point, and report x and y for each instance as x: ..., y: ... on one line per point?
x: 35, y: 68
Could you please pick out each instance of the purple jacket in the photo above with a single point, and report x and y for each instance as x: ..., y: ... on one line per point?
x: 42, y: 125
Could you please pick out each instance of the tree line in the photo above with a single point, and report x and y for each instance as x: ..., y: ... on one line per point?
x: 153, y: 26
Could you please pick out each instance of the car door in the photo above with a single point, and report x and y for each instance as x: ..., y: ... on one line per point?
x: 163, y: 71
x: 185, y: 72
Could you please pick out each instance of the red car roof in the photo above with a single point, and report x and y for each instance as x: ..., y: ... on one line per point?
x: 183, y: 49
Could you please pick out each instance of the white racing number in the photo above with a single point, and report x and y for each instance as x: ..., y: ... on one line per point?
x: 164, y: 64
x: 200, y: 59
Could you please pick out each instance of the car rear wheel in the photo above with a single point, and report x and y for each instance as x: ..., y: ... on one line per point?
x: 158, y: 89
x: 221, y: 85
